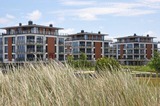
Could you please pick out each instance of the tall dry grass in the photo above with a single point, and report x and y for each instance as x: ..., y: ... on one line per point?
x: 57, y: 85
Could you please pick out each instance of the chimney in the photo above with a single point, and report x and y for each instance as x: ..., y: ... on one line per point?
x: 99, y: 32
x: 20, y: 24
x: 50, y: 25
x: 147, y: 35
x: 135, y: 34
x: 82, y: 31
x: 30, y: 22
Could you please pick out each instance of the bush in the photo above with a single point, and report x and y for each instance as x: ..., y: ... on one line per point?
x: 155, y: 62
x: 105, y: 63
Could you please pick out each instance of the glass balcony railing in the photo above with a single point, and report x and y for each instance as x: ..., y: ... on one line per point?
x: 30, y: 50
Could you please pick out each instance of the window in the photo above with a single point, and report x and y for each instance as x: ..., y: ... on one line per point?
x: 75, y: 44
x: 89, y: 50
x: 13, y: 56
x: 46, y: 48
x: 6, y: 56
x: 82, y: 44
x: 13, y: 49
x: 21, y: 48
x: 20, y: 57
x: 118, y: 51
x: 39, y: 48
x: 75, y: 50
x: 141, y: 45
x: 30, y: 48
x: 61, y: 41
x: 129, y: 46
x: 105, y: 50
x: 13, y: 40
x: 40, y: 39
x: 89, y: 43
x: 6, y: 49
x: 21, y: 39
x: 106, y: 44
x: 30, y: 39
x: 61, y: 49
x: 1, y: 42
x: 89, y: 57
x: 75, y: 57
x: 61, y: 57
x: 5, y: 40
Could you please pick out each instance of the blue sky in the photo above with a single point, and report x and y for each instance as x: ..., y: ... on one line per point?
x: 114, y: 17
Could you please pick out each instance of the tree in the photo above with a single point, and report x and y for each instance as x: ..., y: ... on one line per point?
x: 107, y: 64
x: 155, y: 62
x: 70, y: 59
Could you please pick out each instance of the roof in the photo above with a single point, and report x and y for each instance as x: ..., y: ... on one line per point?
x: 134, y: 37
x: 33, y: 25
x: 87, y: 33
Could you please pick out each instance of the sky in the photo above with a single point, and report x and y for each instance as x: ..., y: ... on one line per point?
x: 114, y: 17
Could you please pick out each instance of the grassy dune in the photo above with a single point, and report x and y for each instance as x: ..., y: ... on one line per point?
x: 57, y: 85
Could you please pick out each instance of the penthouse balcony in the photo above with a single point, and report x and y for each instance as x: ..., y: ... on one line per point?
x: 29, y: 32
x: 82, y: 38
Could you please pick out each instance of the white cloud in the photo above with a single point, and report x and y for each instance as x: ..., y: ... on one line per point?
x: 96, y: 10
x: 67, y: 31
x: 10, y: 16
x: 35, y: 15
x: 76, y: 2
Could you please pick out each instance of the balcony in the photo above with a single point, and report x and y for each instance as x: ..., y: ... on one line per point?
x: 30, y: 50
x: 82, y: 38
x: 39, y: 42
x: 29, y: 32
x: 30, y: 41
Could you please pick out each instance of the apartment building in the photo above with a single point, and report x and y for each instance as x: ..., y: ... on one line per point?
x: 135, y: 49
x: 31, y: 43
x: 93, y: 45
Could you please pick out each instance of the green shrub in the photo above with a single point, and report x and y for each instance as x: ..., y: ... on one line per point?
x: 105, y: 63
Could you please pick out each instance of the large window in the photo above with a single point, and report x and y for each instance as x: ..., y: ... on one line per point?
x: 30, y: 39
x: 61, y: 49
x: 39, y: 48
x: 21, y: 48
x: 141, y: 45
x: 30, y: 48
x: 61, y: 41
x: 129, y: 46
x: 21, y: 39
x: 20, y: 57
x: 39, y: 39
x: 89, y: 50
x: 75, y: 44
x: 75, y: 50
x: 61, y: 57
x: 89, y: 43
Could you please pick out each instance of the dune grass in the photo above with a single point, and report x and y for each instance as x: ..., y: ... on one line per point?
x: 55, y: 84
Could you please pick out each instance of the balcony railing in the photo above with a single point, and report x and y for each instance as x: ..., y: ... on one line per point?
x: 30, y: 32
x: 81, y: 38
x: 30, y: 50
